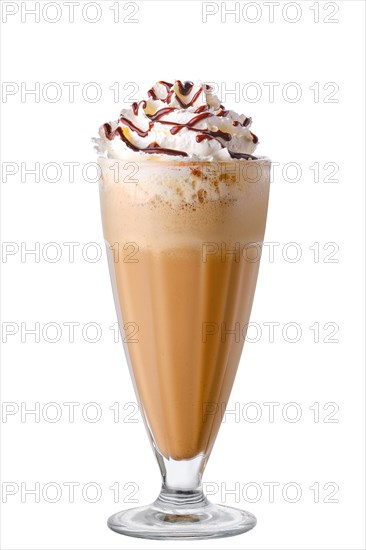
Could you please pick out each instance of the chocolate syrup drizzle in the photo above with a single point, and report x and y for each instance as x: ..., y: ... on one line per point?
x: 152, y: 94
x: 186, y: 105
x: 245, y: 156
x: 201, y: 137
x: 167, y: 85
x: 247, y: 122
x: 142, y: 133
x: 202, y: 112
x: 178, y: 126
x: 135, y: 106
x: 202, y: 108
x: 152, y: 148
x: 160, y: 113
x: 186, y: 87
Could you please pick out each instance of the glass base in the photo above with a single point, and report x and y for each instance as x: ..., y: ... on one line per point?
x: 205, y: 521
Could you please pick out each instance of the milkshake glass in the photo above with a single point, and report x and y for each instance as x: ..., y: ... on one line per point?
x: 183, y: 278
x: 184, y: 207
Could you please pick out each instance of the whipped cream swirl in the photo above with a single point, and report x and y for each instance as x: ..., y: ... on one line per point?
x: 182, y: 121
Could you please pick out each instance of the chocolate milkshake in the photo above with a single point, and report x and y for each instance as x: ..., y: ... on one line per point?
x: 184, y: 205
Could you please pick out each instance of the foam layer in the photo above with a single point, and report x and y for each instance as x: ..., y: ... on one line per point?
x: 183, y: 184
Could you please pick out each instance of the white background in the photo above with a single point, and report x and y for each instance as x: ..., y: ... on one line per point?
x: 170, y: 41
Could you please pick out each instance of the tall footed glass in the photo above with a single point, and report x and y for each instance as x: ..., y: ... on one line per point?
x: 184, y: 243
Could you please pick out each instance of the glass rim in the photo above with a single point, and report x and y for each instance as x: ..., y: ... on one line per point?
x: 181, y: 163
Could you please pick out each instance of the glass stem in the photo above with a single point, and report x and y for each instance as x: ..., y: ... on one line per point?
x: 181, y: 482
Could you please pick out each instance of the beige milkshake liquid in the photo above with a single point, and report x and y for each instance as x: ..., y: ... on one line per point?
x: 184, y: 250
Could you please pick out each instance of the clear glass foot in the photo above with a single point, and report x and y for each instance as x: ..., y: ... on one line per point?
x: 191, y: 517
